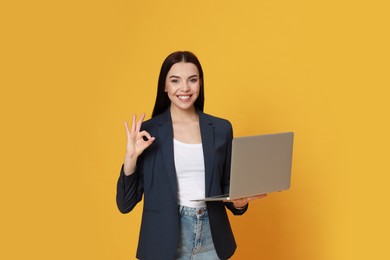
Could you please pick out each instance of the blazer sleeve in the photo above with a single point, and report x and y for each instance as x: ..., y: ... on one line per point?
x: 129, y: 189
x: 226, y: 175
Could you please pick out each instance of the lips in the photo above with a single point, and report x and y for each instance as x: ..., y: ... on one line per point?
x: 184, y: 97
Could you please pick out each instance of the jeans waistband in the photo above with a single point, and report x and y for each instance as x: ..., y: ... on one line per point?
x: 183, y: 210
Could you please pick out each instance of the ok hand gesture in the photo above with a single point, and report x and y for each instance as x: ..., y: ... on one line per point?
x: 135, y: 144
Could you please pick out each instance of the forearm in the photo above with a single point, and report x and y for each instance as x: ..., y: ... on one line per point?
x: 129, y: 191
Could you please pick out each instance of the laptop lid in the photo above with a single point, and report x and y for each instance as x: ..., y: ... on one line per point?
x: 260, y: 164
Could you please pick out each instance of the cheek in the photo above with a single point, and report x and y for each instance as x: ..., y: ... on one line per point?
x: 198, y: 89
x: 195, y: 87
x: 168, y: 89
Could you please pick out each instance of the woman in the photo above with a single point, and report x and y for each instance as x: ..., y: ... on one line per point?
x: 179, y: 155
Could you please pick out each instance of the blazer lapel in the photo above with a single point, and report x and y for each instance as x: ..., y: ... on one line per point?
x: 207, y: 133
x: 166, y: 136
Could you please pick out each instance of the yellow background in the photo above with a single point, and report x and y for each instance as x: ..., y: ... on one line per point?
x: 72, y: 71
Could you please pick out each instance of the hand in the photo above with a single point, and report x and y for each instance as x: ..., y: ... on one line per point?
x: 135, y: 143
x: 240, y: 203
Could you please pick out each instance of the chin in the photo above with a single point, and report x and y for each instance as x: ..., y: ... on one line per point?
x: 184, y: 107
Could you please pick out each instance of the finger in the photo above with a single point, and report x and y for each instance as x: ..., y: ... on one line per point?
x: 127, y: 128
x: 149, y: 142
x: 257, y: 197
x: 133, y: 124
x: 145, y: 144
x: 142, y: 134
x: 239, y: 201
x: 139, y: 123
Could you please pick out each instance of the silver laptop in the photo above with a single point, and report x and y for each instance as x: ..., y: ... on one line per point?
x: 260, y: 164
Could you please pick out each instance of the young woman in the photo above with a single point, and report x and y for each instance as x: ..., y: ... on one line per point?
x: 179, y: 155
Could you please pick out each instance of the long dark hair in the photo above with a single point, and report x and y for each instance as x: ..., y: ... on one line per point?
x: 162, y: 99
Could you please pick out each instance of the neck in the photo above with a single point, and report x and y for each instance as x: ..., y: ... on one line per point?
x: 180, y: 115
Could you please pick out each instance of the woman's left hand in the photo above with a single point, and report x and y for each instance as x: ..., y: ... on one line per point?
x: 240, y: 203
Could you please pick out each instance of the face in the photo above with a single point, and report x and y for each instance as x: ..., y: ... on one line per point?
x: 183, y: 85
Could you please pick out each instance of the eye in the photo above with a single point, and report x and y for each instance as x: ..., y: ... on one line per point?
x: 174, y: 81
x: 193, y: 80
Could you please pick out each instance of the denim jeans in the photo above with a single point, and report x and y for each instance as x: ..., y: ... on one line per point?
x: 195, y: 241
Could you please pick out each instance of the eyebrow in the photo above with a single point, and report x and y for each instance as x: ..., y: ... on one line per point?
x: 173, y: 76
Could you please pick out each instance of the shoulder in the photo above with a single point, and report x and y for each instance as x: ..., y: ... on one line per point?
x: 219, y: 124
x: 216, y: 120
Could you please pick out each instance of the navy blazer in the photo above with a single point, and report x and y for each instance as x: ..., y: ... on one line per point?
x: 155, y: 179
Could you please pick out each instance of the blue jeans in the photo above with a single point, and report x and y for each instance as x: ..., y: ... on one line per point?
x: 195, y: 241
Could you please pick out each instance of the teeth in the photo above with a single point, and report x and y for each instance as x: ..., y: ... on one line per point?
x: 184, y: 97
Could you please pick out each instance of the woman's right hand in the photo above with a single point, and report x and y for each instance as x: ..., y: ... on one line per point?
x: 135, y: 144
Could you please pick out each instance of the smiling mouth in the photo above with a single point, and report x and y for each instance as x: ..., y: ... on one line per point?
x: 184, y: 97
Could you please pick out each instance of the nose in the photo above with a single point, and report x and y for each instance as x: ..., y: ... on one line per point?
x: 186, y: 87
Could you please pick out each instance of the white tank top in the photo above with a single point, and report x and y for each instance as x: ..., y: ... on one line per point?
x: 189, y: 164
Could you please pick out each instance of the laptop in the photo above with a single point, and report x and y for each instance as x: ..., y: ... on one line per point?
x: 260, y: 164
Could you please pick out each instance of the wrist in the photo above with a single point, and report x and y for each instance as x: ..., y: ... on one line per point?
x: 129, y: 165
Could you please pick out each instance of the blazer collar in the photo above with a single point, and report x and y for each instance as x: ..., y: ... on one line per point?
x: 166, y: 137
